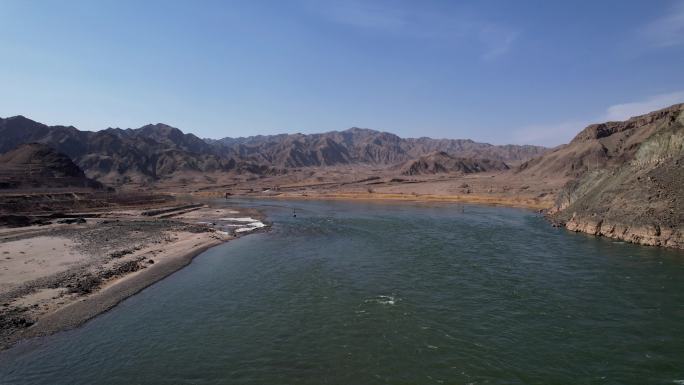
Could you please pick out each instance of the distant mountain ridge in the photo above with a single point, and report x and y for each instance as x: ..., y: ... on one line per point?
x: 158, y: 151
x: 441, y: 162
x: 362, y: 145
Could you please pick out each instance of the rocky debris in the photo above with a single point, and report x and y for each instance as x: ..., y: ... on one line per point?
x: 122, y: 269
x: 69, y: 221
x: 85, y: 284
x: 12, y: 220
x: 121, y: 253
x: 14, y: 318
x: 121, y: 235
x: 198, y: 229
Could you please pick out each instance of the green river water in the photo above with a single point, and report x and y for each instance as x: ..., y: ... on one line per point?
x: 369, y: 293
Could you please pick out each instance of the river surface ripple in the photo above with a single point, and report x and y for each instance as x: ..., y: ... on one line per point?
x: 369, y: 293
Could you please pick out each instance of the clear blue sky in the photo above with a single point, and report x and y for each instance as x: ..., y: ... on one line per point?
x: 494, y: 71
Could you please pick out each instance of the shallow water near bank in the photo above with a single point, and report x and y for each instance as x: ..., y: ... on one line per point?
x: 370, y: 293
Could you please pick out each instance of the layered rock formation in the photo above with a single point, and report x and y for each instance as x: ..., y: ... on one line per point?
x: 628, y: 179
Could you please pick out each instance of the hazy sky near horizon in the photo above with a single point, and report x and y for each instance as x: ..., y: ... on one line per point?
x: 495, y: 71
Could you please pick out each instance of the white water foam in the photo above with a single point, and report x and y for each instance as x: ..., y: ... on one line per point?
x: 251, y: 226
x: 239, y: 219
x: 383, y: 300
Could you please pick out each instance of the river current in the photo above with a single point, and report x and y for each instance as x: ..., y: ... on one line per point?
x: 371, y: 293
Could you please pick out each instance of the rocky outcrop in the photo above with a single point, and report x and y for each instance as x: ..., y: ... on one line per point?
x: 652, y: 235
x: 636, y: 193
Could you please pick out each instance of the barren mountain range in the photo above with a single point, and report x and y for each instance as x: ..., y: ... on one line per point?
x: 118, y: 156
x: 359, y: 145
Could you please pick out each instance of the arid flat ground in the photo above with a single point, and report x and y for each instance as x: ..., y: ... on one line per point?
x: 363, y: 182
x: 56, y: 275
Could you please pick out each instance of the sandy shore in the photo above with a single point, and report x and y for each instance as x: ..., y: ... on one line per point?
x: 57, y: 276
x: 528, y: 203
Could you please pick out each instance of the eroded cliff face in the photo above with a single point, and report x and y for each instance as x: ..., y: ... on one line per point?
x: 652, y: 235
x: 636, y: 193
